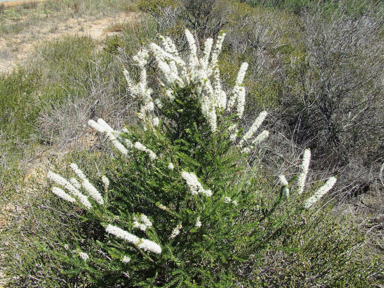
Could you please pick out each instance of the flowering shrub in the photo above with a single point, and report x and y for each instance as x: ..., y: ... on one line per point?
x: 180, y: 211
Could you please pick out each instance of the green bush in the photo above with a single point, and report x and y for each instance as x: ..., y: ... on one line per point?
x: 17, y: 104
x: 179, y: 209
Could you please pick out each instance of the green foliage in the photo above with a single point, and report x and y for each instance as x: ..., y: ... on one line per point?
x: 112, y: 44
x: 17, y: 105
x: 206, y: 240
x: 350, y: 7
x: 155, y: 7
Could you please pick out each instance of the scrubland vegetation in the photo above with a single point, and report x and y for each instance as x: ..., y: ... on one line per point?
x: 316, y: 67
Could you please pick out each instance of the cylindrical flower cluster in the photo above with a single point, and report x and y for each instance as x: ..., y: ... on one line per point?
x: 194, y: 184
x: 143, y: 223
x: 320, y: 193
x: 75, y: 192
x: 91, y: 190
x: 260, y: 138
x: 259, y: 120
x: 304, y: 171
x: 176, y: 231
x: 102, y: 127
x: 144, y: 244
x: 60, y: 193
x: 141, y: 147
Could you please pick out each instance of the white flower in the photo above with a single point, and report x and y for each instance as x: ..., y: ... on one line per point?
x: 60, y: 193
x: 194, y: 184
x: 260, y: 138
x: 160, y: 54
x: 148, y: 245
x: 192, y: 46
x: 220, y: 99
x: 159, y: 103
x: 170, y: 94
x: 176, y: 231
x: 66, y: 246
x: 120, y: 233
x: 141, y: 147
x: 149, y: 106
x: 75, y: 192
x: 240, y: 102
x: 136, y: 224
x: 207, y: 52
x: 141, y: 243
x: 233, y: 136
x: 191, y: 182
x: 283, y: 180
x: 304, y: 171
x: 75, y: 183
x: 217, y: 50
x: 105, y: 181
x: 117, y: 143
x: 246, y: 150
x: 78, y: 172
x: 125, y: 259
x: 155, y: 121
x: 151, y: 154
x: 285, y: 191
x: 162, y: 207
x: 241, y: 74
x: 227, y: 200
x: 131, y: 87
x: 128, y: 143
x: 96, y: 126
x: 91, y: 190
x: 209, y: 112
x: 146, y: 221
x: 84, y: 256
x: 105, y: 125
x: 198, y: 222
x: 171, y: 46
x: 171, y: 166
x: 234, y: 202
x: 320, y: 193
x: 233, y: 131
x: 238, y: 94
x: 102, y: 126
x: 165, y: 43
x: 207, y: 193
x: 259, y: 120
x: 141, y: 58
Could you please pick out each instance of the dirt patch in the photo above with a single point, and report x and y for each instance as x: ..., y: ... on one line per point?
x: 16, y: 3
x: 16, y: 49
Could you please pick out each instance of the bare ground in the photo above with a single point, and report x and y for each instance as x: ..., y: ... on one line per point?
x: 17, y: 48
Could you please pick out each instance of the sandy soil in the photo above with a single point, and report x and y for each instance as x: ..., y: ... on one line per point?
x: 16, y: 49
x: 8, y: 3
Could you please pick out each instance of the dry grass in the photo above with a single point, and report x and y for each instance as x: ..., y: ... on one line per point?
x: 23, y: 30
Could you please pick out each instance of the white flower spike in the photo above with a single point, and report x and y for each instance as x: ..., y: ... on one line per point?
x: 320, y: 193
x: 144, y: 244
x: 304, y: 171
